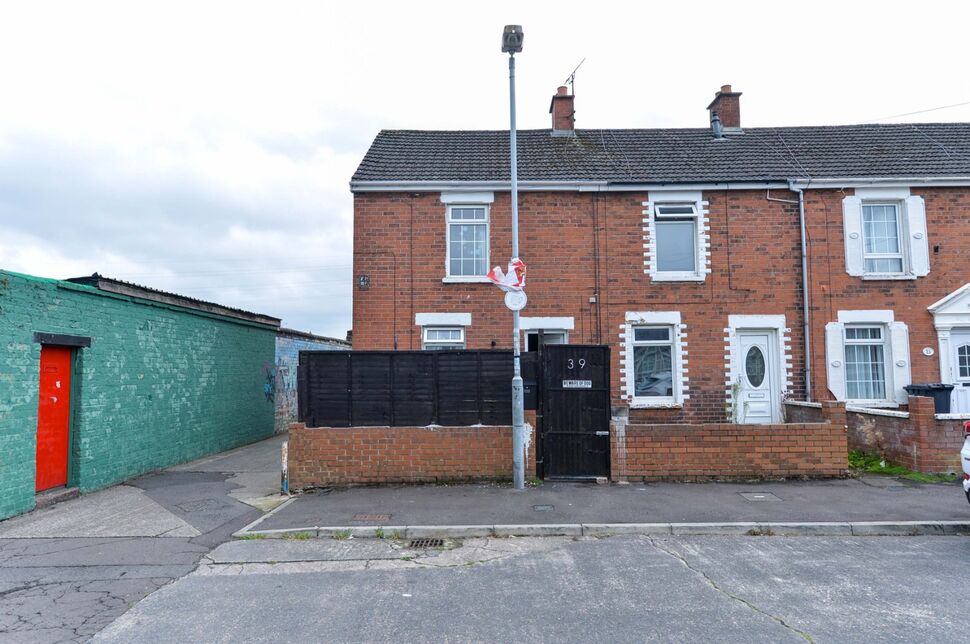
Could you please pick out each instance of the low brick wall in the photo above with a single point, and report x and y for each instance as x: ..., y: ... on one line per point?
x: 339, y: 456
x: 729, y: 451
x: 913, y: 438
x: 803, y: 412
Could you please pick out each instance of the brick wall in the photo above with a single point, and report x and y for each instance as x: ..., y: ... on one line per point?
x: 804, y: 413
x: 587, y: 245
x: 728, y: 451
x: 832, y: 289
x: 579, y: 246
x: 159, y: 385
x: 325, y: 456
x: 914, y: 439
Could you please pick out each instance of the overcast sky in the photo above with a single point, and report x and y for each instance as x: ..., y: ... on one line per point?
x: 206, y: 148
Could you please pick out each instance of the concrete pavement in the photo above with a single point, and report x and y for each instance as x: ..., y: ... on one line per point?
x: 485, y: 509
x: 68, y: 570
x: 624, y: 589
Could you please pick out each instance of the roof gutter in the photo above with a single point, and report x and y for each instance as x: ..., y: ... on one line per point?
x: 616, y: 186
x: 846, y: 182
x: 571, y: 186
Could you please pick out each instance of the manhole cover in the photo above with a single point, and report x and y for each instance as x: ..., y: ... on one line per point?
x: 542, y: 508
x: 199, y: 505
x: 372, y: 517
x: 426, y: 543
x: 759, y: 496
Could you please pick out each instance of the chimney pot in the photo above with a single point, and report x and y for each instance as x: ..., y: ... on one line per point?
x: 727, y: 106
x: 563, y: 114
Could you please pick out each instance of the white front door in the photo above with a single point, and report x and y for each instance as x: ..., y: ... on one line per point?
x: 960, y: 370
x: 758, y: 394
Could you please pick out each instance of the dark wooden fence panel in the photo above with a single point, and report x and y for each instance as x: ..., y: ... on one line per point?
x: 495, y: 389
x: 322, y: 391
x: 371, y: 386
x: 405, y: 388
x: 413, y: 396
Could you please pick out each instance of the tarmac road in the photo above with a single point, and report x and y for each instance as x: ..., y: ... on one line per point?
x: 67, y: 571
x: 625, y: 589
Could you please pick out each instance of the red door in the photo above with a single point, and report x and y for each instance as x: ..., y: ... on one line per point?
x: 53, y: 417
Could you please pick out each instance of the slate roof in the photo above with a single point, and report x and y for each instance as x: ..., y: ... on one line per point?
x: 673, y: 155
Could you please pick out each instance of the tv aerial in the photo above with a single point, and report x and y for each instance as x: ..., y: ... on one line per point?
x: 571, y: 79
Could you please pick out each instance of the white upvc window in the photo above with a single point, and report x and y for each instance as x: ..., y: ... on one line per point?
x: 881, y: 235
x: 653, y: 360
x: 443, y: 338
x: 676, y: 230
x: 467, y: 241
x: 865, y: 363
x: 885, y: 234
x: 549, y: 336
x: 676, y: 237
x: 867, y: 356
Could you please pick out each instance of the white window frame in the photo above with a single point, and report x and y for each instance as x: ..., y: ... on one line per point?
x: 659, y: 199
x: 910, y: 227
x: 901, y: 237
x: 426, y: 343
x: 896, y: 356
x: 545, y: 332
x: 449, y: 222
x: 679, y: 386
x: 887, y: 370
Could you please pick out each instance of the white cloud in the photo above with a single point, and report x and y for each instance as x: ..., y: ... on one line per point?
x: 206, y: 148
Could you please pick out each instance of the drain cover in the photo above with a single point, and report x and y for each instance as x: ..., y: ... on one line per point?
x: 759, y: 496
x: 426, y: 543
x: 372, y: 517
x: 199, y: 505
x: 542, y: 508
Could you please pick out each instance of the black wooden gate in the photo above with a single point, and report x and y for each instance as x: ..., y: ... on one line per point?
x: 575, y: 411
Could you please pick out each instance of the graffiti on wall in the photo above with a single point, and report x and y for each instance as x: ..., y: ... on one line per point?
x: 269, y: 385
x: 284, y: 376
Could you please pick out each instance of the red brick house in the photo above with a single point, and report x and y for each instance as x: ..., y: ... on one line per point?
x: 688, y: 252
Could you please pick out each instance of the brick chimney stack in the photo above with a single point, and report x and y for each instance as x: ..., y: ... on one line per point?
x: 563, y: 114
x: 727, y: 106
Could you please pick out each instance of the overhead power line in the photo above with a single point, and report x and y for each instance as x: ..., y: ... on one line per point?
x: 931, y: 109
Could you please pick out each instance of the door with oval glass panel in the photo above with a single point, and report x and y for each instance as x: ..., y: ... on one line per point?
x: 960, y: 370
x: 759, y: 397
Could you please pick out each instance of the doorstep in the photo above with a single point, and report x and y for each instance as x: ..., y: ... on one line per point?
x: 55, y: 495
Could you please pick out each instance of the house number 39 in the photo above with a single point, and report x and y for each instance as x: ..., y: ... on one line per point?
x: 571, y: 364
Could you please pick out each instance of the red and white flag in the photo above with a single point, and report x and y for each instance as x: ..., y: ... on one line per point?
x: 513, y: 280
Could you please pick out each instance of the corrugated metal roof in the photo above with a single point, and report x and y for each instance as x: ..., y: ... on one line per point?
x: 122, y: 287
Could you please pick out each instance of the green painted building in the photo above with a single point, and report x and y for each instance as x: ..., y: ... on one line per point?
x: 149, y: 379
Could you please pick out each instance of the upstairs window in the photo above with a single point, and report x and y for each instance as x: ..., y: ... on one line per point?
x: 675, y: 228
x: 444, y: 338
x: 467, y: 241
x: 676, y: 236
x: 885, y: 234
x: 881, y: 234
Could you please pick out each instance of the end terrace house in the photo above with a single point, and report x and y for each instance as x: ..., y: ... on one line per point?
x: 729, y: 268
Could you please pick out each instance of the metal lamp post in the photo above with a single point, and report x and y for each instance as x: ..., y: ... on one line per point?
x: 512, y: 44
